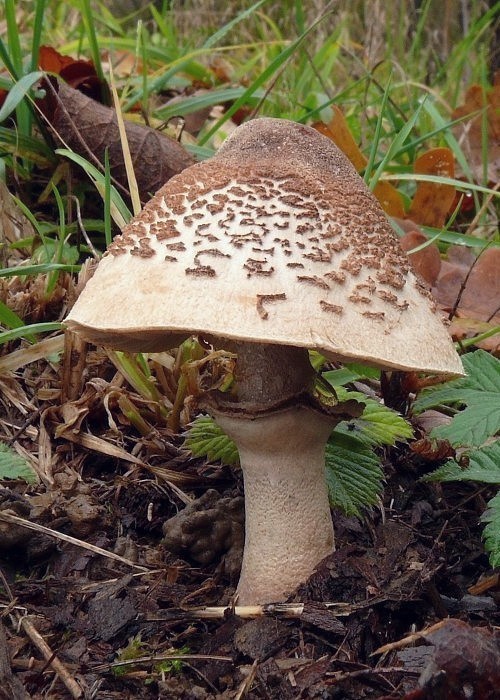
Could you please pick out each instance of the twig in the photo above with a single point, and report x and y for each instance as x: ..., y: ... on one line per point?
x: 284, y: 610
x: 156, y: 658
x: 246, y: 683
x: 53, y: 661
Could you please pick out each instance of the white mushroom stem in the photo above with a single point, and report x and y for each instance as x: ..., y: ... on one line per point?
x: 288, y: 525
x: 281, y: 441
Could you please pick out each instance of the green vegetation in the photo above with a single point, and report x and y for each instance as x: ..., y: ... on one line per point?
x: 474, y: 402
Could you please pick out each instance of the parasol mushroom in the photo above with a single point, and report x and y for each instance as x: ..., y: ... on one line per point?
x: 271, y: 247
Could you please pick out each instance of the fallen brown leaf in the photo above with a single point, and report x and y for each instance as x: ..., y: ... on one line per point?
x: 432, y: 201
x: 425, y: 262
x: 89, y: 128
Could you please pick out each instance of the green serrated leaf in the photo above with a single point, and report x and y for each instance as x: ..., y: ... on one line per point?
x: 205, y: 439
x: 13, y: 466
x: 491, y: 533
x: 475, y: 424
x: 353, y: 473
x: 483, y: 375
x: 484, y: 466
x: 479, y: 391
x: 378, y: 425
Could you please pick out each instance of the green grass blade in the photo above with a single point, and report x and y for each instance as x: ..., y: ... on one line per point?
x: 377, y: 135
x: 120, y: 212
x: 13, y: 40
x: 41, y: 269
x: 88, y: 21
x: 209, y: 99
x: 274, y: 66
x: 108, y: 237
x: 26, y: 331
x: 9, y: 318
x: 18, y: 92
x: 215, y: 38
x: 37, y: 32
x: 395, y: 146
x: 458, y: 184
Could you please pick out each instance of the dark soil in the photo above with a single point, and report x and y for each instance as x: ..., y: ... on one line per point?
x: 415, y: 567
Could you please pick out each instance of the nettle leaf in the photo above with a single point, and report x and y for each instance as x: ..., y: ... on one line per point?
x: 205, y: 439
x: 353, y: 473
x: 13, y: 466
x: 474, y: 425
x: 491, y: 533
x: 479, y: 392
x: 378, y: 425
x: 483, y: 466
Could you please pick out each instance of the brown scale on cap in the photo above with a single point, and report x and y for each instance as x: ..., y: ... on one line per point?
x: 335, y: 276
x: 265, y: 299
x: 358, y: 298
x: 331, y: 308
x: 201, y: 271
x: 377, y: 315
x: 314, y: 280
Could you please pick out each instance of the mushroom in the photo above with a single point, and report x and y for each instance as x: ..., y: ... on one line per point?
x: 271, y: 247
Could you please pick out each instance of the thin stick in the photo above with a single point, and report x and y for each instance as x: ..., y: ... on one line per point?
x: 155, y: 658
x: 51, y: 658
x: 286, y: 610
x: 10, y: 518
x: 246, y: 684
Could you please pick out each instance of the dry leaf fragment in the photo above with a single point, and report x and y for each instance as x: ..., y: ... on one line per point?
x: 425, y: 262
x: 78, y: 73
x: 432, y: 201
x: 480, y: 296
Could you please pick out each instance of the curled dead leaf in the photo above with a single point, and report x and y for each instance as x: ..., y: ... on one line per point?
x: 479, y: 102
x: 89, y: 128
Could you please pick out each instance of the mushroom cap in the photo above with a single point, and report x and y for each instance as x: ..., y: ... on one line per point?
x: 276, y: 239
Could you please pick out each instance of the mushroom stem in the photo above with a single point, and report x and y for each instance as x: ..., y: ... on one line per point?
x: 288, y: 525
x: 269, y: 375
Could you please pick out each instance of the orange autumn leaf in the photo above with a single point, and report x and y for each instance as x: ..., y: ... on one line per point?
x: 432, y: 200
x: 389, y: 198
x: 338, y: 131
x: 78, y: 73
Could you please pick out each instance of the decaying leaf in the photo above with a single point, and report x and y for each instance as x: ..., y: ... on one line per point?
x: 464, y: 661
x: 89, y: 128
x: 432, y: 200
x: 76, y: 72
x: 426, y: 262
x: 476, y: 282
